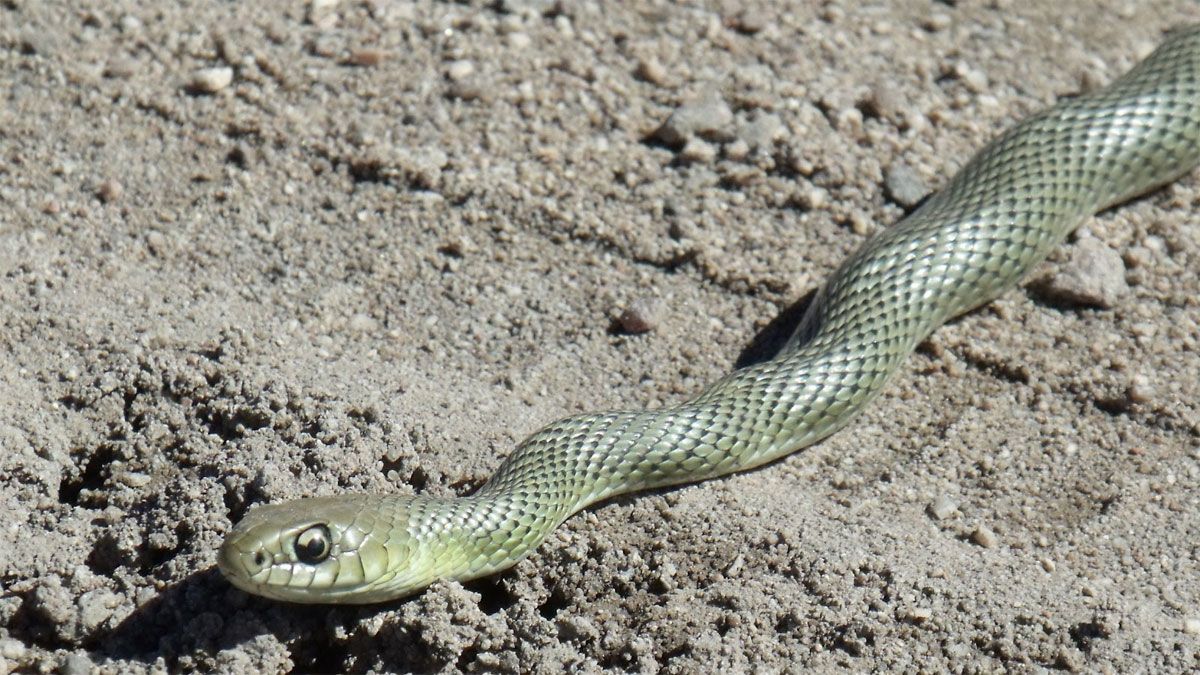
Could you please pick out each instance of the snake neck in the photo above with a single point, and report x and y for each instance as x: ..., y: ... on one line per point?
x: 750, y: 417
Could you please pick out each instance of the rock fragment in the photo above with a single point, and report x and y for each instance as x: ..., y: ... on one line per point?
x: 942, y: 508
x: 1094, y: 276
x: 903, y: 186
x: 984, y: 536
x: 641, y: 316
x: 210, y: 80
x: 749, y: 22
x: 651, y: 70
x: 704, y: 117
x: 459, y: 70
x: 762, y: 132
x: 1139, y: 390
x: 366, y: 57
x: 696, y: 150
x: 110, y: 190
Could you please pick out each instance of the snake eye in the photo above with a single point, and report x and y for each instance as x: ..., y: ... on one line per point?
x: 312, y: 545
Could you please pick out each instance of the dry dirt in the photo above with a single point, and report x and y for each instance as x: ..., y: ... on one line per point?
x: 397, y: 241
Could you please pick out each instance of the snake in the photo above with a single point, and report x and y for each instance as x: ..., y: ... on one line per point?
x: 999, y: 216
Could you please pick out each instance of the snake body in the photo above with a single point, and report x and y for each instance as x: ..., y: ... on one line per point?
x: 999, y: 216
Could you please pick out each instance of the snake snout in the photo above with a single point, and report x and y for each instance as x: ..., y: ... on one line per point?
x: 240, y: 566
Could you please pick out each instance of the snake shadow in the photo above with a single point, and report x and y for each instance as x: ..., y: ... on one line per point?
x: 201, y: 616
x: 768, y: 342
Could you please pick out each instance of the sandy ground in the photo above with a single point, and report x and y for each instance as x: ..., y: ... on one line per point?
x: 397, y: 242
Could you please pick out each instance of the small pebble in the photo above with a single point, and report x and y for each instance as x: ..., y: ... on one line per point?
x: 1140, y: 390
x: 1094, y: 276
x: 666, y: 576
x: 812, y: 198
x: 1090, y: 80
x: 885, y: 101
x: 563, y: 23
x: 703, y: 117
x: 852, y: 645
x: 96, y: 607
x: 860, y: 223
x: 468, y: 90
x: 211, y: 80
x: 959, y: 651
x: 362, y: 323
x: 652, y: 71
x: 458, y: 70
x: 942, y: 508
x: 903, y: 186
x: 577, y: 627
x: 1191, y: 626
x: 937, y: 22
x: 762, y: 132
x: 11, y: 648
x: 696, y: 150
x: 366, y: 57
x: 1069, y: 659
x: 1048, y: 564
x: 1144, y: 329
x: 849, y: 121
x: 974, y: 79
x: 641, y: 316
x: 457, y: 246
x: 519, y: 40
x: 749, y: 22
x: 323, y: 16
x: 919, y: 614
x: 130, y: 24
x: 326, y: 47
x: 737, y: 150
x: 984, y: 537
x: 77, y: 663
x: 527, y: 7
x: 120, y: 68
x: 742, y: 176
x: 134, y: 479
x: 109, y: 191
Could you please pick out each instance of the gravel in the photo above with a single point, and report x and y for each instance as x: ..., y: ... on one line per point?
x: 330, y: 266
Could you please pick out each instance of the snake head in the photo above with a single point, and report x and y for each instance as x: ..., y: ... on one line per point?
x: 348, y: 549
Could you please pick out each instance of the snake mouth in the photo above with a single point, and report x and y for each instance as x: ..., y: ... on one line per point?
x: 259, y: 573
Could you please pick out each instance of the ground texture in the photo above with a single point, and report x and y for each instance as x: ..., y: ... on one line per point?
x: 255, y: 251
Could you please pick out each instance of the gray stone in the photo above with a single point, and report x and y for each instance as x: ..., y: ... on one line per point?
x: 703, y: 117
x: 1094, y: 276
x: 903, y: 186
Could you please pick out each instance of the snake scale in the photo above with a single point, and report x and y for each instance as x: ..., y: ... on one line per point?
x: 998, y: 217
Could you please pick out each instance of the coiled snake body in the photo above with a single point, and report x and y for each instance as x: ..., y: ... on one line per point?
x: 998, y: 217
